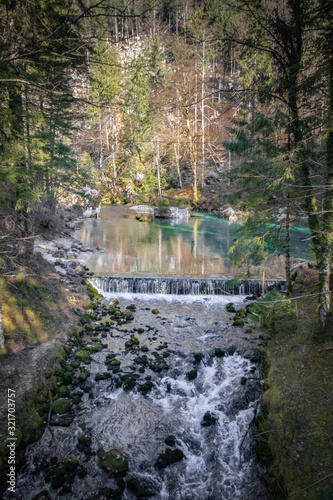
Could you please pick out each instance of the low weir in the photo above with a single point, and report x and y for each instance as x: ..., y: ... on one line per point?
x: 185, y: 286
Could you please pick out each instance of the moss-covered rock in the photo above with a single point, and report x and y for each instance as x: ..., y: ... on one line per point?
x: 62, y: 391
x: 191, y: 375
x: 113, y: 461
x: 142, y: 487
x: 102, y: 376
x: 94, y: 347
x: 230, y: 308
x: 155, y: 311
x: 241, y: 313
x: 170, y: 441
x: 84, y: 375
x: 238, y: 322
x: 83, y: 356
x: 146, y: 387
x: 61, y: 406
x: 219, y: 353
x: 84, y: 445
x: 198, y: 357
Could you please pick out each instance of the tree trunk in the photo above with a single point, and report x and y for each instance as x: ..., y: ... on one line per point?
x: 112, y: 146
x: 176, y: 148
x: 101, y: 152
x: 158, y: 170
x: 2, y: 337
x: 287, y: 253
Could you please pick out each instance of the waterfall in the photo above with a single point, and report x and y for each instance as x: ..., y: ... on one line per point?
x: 185, y: 286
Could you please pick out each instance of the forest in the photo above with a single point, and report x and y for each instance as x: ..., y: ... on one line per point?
x: 206, y: 104
x: 149, y: 98
x: 160, y: 98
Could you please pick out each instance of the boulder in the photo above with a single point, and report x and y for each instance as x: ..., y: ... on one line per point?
x: 142, y: 486
x: 168, y: 457
x: 172, y: 212
x: 113, y: 461
x: 208, y: 419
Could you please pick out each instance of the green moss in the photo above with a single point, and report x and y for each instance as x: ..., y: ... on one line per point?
x: 84, y: 375
x: 82, y: 356
x: 62, y: 391
x: 238, y: 322
x: 61, y: 406
x: 113, y: 460
x: 230, y: 308
x: 94, y: 348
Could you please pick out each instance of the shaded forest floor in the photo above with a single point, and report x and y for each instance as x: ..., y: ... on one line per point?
x: 296, y: 437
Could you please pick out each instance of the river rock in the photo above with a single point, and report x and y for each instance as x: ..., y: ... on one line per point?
x: 142, y: 486
x: 113, y: 461
x: 170, y: 441
x: 172, y: 212
x: 246, y: 395
x: 61, y: 406
x: 208, y: 419
x: 230, y: 307
x: 168, y: 457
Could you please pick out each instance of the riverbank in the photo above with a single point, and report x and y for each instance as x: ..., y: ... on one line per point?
x: 295, y: 439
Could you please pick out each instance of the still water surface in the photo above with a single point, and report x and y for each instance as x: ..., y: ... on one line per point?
x: 194, y: 247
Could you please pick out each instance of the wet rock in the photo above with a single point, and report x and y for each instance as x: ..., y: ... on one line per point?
x: 238, y: 322
x: 208, y: 419
x: 84, y: 445
x: 170, y: 441
x: 102, y: 376
x: 62, y: 391
x: 198, y: 357
x: 191, y: 375
x: 142, y: 486
x: 220, y: 353
x: 131, y: 307
x: 84, y: 375
x: 146, y: 387
x: 144, y: 348
x: 241, y: 313
x: 245, y: 396
x: 133, y: 343
x: 112, y: 364
x: 168, y: 457
x: 162, y: 346
x: 155, y: 311
x: 83, y: 356
x: 94, y: 347
x: 113, y: 461
x: 59, y: 253
x: 243, y: 380
x: 141, y: 360
x: 61, y: 420
x: 231, y: 350
x: 61, y: 406
x: 129, y: 382
x: 230, y: 308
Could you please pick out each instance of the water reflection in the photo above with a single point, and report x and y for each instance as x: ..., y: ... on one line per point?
x: 197, y: 247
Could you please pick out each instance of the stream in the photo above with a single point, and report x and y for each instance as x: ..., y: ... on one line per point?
x: 207, y: 413
x: 163, y: 381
